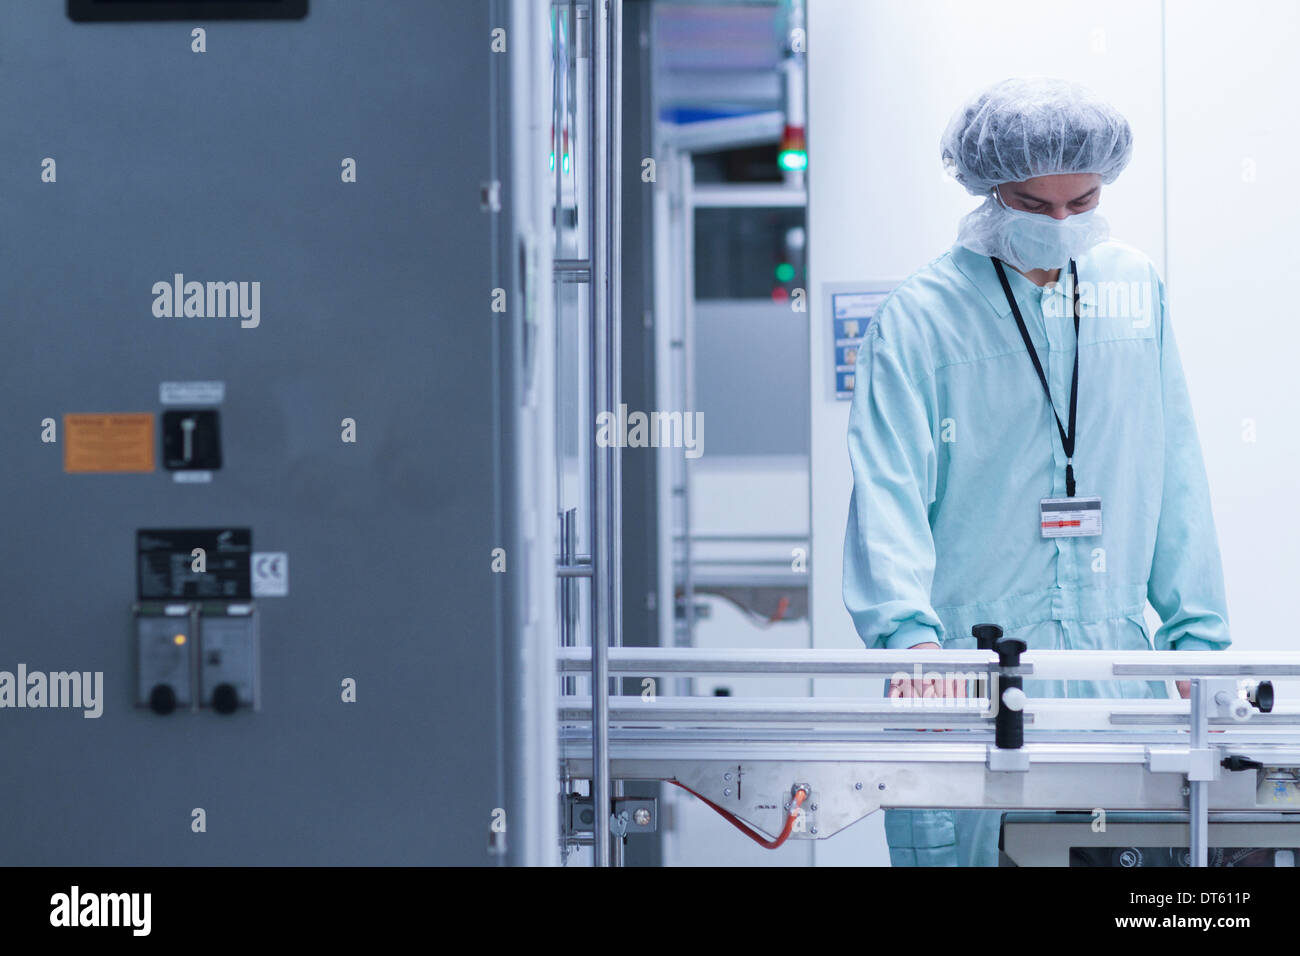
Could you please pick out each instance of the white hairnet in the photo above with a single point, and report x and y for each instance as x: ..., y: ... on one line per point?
x: 1034, y: 126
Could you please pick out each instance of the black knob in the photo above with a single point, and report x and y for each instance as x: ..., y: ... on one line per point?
x: 225, y: 700
x: 1009, y: 650
x: 1262, y: 696
x: 162, y: 699
x: 1236, y: 762
x: 986, y: 636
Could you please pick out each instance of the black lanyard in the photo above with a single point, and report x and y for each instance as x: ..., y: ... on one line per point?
x: 1067, y: 437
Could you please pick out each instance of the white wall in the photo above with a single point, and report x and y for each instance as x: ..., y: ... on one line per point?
x: 884, y: 78
x: 1234, y: 261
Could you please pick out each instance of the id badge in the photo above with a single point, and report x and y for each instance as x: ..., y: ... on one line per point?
x: 1070, y: 517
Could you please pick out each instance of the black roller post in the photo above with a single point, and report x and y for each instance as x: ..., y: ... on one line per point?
x: 1010, y: 723
x: 986, y: 636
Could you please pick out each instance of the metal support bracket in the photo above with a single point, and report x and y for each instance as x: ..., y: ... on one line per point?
x: 1201, y: 764
x: 630, y: 815
x: 1011, y: 761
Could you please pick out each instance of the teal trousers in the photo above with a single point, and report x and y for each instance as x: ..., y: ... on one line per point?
x: 943, y: 837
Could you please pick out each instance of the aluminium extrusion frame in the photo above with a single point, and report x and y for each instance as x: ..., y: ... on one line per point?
x: 1142, y: 754
x: 606, y: 477
x: 599, y: 22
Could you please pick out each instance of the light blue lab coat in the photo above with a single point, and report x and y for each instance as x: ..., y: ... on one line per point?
x: 953, y: 444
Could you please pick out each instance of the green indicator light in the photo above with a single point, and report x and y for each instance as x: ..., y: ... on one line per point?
x: 793, y: 159
x: 784, y: 272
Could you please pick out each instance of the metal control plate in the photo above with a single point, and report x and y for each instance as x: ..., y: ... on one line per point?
x: 164, y: 656
x: 228, y: 660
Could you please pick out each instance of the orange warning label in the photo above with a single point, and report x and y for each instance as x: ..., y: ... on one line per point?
x: 108, y: 443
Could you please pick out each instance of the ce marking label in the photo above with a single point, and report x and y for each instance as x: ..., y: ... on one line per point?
x: 270, y: 574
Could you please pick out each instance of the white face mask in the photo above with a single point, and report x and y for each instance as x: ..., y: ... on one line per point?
x: 1034, y: 240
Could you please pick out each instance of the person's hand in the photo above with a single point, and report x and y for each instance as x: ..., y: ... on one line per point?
x: 951, y: 687
x: 1184, y: 688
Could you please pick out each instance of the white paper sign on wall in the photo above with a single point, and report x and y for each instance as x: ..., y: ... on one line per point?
x: 192, y: 393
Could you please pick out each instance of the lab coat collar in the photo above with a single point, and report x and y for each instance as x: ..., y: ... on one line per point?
x: 979, y: 270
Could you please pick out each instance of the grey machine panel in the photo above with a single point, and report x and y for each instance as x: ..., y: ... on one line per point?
x: 225, y: 166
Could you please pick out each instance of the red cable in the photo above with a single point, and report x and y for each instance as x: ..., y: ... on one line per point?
x: 799, y: 797
x: 782, y: 606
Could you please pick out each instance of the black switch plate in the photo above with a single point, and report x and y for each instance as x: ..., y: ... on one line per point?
x: 202, y: 451
x: 165, y: 564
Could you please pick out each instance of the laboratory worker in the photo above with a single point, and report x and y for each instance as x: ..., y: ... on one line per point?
x: 1023, y: 447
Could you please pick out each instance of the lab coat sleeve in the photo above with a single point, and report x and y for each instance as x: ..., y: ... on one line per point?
x: 1186, y: 582
x: 888, y: 546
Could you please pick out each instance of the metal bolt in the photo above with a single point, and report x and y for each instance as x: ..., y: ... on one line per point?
x: 642, y: 817
x: 813, y: 831
x: 880, y: 786
x: 726, y: 776
x: 813, y: 808
x: 726, y: 791
x: 857, y: 786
